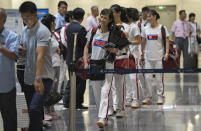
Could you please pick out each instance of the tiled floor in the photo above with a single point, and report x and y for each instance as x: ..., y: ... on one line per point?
x: 181, y: 111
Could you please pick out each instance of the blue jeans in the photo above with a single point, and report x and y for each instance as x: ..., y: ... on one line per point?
x: 35, y: 103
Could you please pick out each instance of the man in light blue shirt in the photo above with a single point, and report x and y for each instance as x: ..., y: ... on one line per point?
x: 38, y: 74
x: 8, y: 55
x: 62, y: 9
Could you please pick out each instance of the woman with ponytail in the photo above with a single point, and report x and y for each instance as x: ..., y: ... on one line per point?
x: 152, y: 43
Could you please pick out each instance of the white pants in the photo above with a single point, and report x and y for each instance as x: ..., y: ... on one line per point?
x: 118, y: 91
x: 96, y: 86
x: 106, y: 89
x: 62, y: 77
x: 154, y: 64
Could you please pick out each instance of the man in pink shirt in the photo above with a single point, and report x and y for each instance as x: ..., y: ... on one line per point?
x: 92, y: 20
x: 181, y: 30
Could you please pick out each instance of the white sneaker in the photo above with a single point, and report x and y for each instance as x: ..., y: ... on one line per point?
x: 120, y: 114
x: 135, y: 104
x: 160, y: 100
x: 110, y: 111
x: 147, y: 100
x: 101, y: 123
x: 47, y: 117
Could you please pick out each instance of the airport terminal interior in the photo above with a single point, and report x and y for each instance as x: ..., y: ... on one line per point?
x: 181, y: 110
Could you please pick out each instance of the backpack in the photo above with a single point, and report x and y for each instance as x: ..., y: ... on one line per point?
x: 61, y: 45
x: 173, y: 61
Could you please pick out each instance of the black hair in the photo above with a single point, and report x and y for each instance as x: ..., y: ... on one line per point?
x: 68, y: 15
x: 62, y: 3
x: 107, y: 11
x: 191, y: 15
x: 144, y: 9
x: 123, y: 15
x: 132, y: 13
x: 116, y: 7
x: 47, y: 20
x: 28, y: 7
x: 155, y: 13
x: 181, y: 11
x: 78, y: 13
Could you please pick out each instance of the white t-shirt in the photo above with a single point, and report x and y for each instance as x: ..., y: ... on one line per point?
x: 154, y: 42
x: 133, y: 32
x: 195, y: 28
x: 99, y: 40
x: 56, y: 61
x: 63, y: 35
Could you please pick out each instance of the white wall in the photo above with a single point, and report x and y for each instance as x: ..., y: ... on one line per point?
x: 189, y: 5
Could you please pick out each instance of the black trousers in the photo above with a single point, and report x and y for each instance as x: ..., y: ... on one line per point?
x: 20, y: 75
x: 80, y: 90
x: 8, y: 110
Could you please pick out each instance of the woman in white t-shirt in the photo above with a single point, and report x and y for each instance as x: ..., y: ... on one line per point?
x: 132, y: 89
x: 49, y: 21
x: 152, y: 43
x: 118, y: 86
x: 101, y: 89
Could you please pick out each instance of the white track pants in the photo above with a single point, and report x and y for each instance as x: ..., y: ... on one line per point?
x: 154, y: 64
x: 96, y: 86
x: 62, y: 77
x: 106, y: 89
x: 132, y: 85
x: 119, y: 91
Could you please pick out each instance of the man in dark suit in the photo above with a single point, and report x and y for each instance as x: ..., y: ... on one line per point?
x: 75, y: 27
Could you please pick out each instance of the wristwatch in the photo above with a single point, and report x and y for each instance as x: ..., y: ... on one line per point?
x: 39, y: 79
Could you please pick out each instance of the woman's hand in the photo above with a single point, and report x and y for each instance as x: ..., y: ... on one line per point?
x: 86, y: 65
x: 165, y: 57
x: 113, y: 50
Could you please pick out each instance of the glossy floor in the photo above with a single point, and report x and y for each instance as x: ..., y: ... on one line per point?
x: 181, y: 111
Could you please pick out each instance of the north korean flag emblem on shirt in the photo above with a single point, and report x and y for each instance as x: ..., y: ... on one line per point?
x: 99, y: 43
x: 152, y: 37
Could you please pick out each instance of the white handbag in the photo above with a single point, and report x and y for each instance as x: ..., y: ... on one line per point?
x: 22, y: 111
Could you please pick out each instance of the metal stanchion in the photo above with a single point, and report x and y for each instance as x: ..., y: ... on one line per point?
x: 73, y: 88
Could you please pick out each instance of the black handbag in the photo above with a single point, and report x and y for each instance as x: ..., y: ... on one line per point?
x: 97, y: 64
x: 53, y: 98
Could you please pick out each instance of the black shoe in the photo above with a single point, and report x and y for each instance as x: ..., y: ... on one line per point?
x: 66, y: 105
x: 81, y: 107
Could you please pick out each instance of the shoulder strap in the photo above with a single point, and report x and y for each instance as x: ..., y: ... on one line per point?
x: 163, y: 33
x: 93, y: 32
x: 57, y: 36
x: 65, y: 28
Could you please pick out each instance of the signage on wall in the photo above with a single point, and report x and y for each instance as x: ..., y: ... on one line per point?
x: 14, y: 21
x: 42, y: 12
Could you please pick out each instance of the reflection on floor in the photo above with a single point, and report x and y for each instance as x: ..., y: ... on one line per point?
x: 181, y: 111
